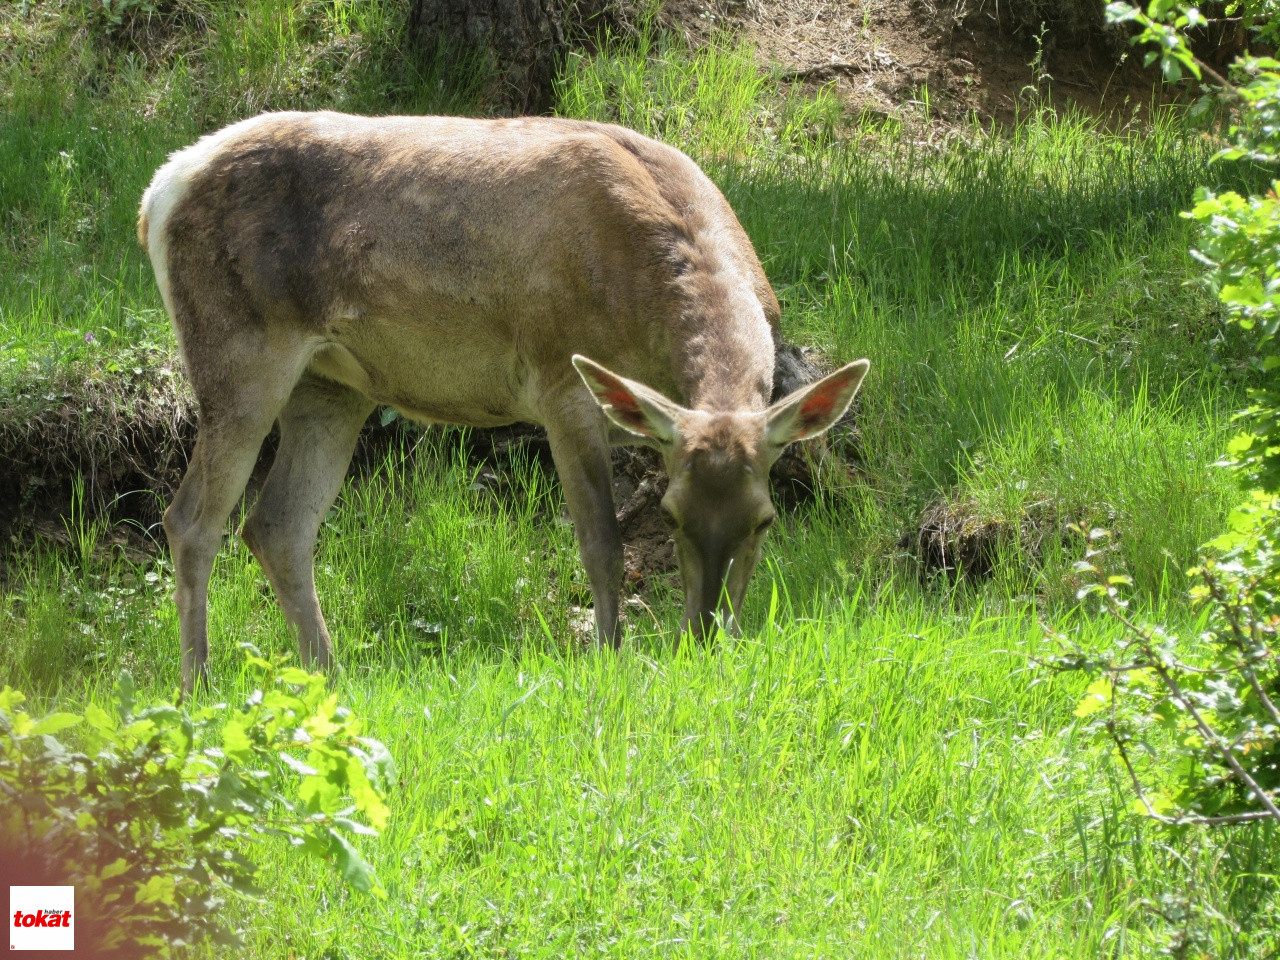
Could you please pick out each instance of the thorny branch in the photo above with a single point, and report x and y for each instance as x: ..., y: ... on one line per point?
x: 1247, y: 817
x: 1146, y: 642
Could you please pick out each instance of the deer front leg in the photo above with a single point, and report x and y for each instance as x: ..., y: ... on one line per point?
x: 581, y: 452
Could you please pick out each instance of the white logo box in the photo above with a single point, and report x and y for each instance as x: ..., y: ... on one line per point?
x: 37, y: 916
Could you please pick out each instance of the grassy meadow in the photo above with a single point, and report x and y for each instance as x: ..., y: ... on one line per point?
x: 880, y: 767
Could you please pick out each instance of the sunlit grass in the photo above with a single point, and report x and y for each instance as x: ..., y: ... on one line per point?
x: 867, y: 770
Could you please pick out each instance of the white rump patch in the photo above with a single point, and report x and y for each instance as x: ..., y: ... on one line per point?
x: 170, y: 185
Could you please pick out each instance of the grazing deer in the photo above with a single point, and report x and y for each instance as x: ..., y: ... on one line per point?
x: 316, y: 265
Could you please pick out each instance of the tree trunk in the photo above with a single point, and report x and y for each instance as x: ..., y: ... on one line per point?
x: 511, y: 46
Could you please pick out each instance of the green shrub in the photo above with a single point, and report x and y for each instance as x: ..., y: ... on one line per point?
x: 152, y: 812
x: 1203, y: 706
x: 1192, y: 718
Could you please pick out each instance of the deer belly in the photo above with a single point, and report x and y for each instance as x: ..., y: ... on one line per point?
x: 430, y: 383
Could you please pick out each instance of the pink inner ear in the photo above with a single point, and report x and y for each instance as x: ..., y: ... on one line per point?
x: 818, y: 406
x: 625, y: 407
x: 621, y: 400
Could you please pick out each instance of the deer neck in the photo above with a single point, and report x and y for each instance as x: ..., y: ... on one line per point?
x: 724, y: 355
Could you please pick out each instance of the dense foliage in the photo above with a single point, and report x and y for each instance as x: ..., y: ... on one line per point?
x: 153, y: 813
x: 1202, y: 707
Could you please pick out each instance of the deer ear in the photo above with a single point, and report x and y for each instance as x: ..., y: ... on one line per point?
x: 812, y: 409
x: 632, y: 406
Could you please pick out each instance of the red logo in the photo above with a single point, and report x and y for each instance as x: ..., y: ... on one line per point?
x: 55, y: 918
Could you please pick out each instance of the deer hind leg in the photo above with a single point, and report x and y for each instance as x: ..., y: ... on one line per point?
x: 318, y: 430
x: 240, y: 388
x: 580, y: 448
x: 196, y: 520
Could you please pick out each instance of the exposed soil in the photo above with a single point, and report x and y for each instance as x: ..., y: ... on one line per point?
x: 129, y: 437
x: 110, y: 444
x: 937, y: 62
x: 959, y: 541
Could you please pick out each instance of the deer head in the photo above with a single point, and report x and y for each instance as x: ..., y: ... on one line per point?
x: 717, y: 502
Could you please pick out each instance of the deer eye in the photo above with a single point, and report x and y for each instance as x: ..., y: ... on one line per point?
x: 668, y: 517
x: 764, y: 525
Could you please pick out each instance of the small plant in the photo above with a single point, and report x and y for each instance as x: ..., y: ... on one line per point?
x: 1039, y: 70
x: 151, y: 812
x: 1203, y: 706
x: 1193, y: 719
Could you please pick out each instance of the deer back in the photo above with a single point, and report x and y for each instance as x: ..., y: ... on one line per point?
x: 451, y: 268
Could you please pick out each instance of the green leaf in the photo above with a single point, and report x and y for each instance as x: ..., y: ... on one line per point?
x: 320, y: 794
x: 1248, y: 292
x: 379, y: 765
x: 296, y: 675
x: 353, y: 867
x: 10, y: 700
x: 1097, y: 695
x: 99, y: 719
x: 1122, y: 12
x: 368, y: 800
x: 320, y: 724
x: 157, y: 889
x: 236, y: 743
x: 55, y: 722
x: 1240, y: 443
x: 115, y: 868
x: 228, y: 789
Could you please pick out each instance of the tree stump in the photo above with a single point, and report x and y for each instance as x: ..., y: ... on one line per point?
x: 511, y: 45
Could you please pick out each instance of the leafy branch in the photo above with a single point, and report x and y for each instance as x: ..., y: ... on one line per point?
x: 1215, y: 716
x: 1203, y: 707
x: 149, y: 812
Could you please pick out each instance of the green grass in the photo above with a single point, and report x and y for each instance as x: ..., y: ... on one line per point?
x: 879, y: 767
x: 869, y: 771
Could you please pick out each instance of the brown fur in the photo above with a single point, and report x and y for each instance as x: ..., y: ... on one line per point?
x: 315, y: 265
x: 475, y: 235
